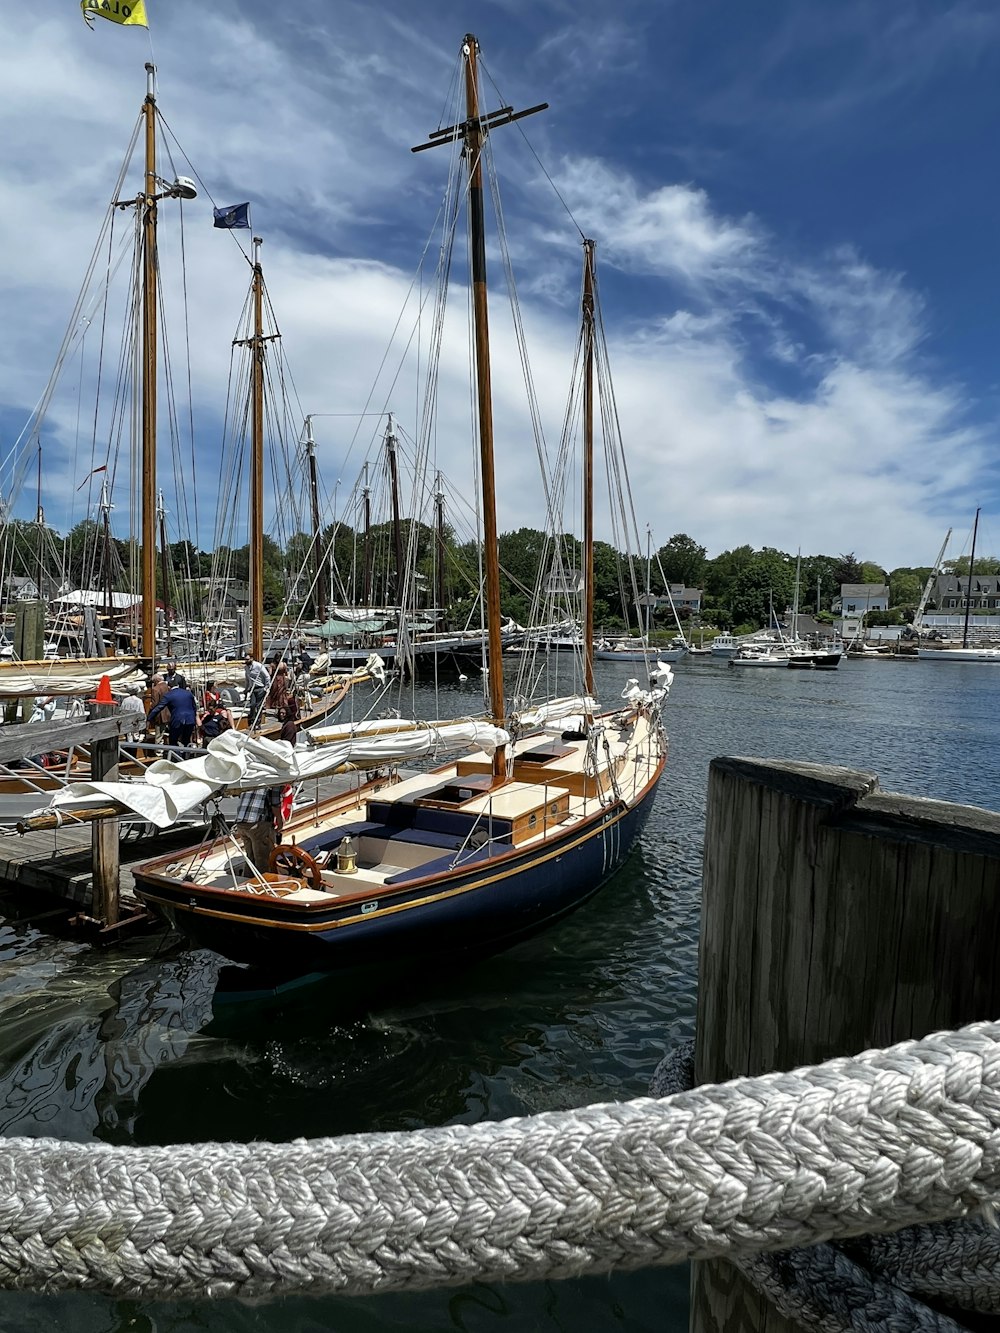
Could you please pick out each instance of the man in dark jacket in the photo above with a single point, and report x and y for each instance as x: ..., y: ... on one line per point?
x: 183, y: 714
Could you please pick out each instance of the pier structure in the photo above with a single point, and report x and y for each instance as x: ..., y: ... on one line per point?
x: 836, y: 918
x: 840, y: 925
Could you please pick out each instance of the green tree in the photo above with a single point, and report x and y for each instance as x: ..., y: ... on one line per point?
x: 872, y: 573
x: 848, y: 570
x: 905, y: 587
x: 985, y: 564
x: 682, y: 560
x: 767, y: 580
x: 818, y: 570
x: 611, y: 576
x: 722, y: 572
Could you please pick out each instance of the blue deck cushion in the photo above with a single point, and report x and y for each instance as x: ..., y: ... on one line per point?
x: 366, y: 828
x: 442, y: 863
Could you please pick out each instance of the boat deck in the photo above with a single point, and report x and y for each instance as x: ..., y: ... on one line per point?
x: 426, y: 824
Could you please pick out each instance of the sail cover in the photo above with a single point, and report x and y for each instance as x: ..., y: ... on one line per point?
x: 235, y: 762
x: 79, y: 676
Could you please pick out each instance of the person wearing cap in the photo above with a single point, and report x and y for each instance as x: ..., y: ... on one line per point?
x: 258, y: 682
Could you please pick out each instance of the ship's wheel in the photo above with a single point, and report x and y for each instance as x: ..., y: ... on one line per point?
x: 287, y: 859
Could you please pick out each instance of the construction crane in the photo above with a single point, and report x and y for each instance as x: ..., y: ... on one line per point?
x: 925, y: 595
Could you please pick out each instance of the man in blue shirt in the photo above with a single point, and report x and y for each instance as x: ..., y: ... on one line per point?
x: 183, y: 714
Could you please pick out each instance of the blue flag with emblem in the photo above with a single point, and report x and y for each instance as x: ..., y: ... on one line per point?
x: 236, y: 215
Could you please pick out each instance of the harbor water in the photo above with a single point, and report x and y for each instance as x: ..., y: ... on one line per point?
x: 148, y: 1043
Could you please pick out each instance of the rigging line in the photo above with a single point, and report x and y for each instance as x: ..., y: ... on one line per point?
x: 187, y: 353
x: 34, y: 422
x: 520, y: 335
x: 399, y: 319
x: 481, y: 63
x: 601, y: 341
x: 232, y: 231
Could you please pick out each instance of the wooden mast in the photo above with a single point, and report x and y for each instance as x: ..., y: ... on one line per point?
x: 439, y: 586
x: 147, y: 555
x: 320, y: 575
x: 968, y: 589
x: 474, y: 137
x: 397, y: 526
x: 105, y: 509
x: 161, y: 515
x: 472, y: 131
x: 588, y: 466
x: 257, y: 461
x: 367, y: 569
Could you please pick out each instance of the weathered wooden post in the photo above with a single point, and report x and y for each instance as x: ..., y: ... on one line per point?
x: 29, y: 640
x: 835, y: 918
x: 104, y: 832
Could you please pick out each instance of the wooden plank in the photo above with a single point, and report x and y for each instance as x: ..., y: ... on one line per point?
x: 835, y: 918
x: 19, y: 742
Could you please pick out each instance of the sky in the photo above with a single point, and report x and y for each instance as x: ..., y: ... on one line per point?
x: 793, y: 206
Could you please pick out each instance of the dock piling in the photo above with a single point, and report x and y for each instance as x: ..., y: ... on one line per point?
x: 835, y: 918
x: 105, y: 832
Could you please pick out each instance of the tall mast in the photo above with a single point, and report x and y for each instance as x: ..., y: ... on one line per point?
x: 367, y: 506
x: 968, y: 590
x: 439, y: 511
x: 474, y: 138
x: 149, y: 265
x: 257, y: 461
x: 397, y: 527
x: 161, y: 517
x: 39, y: 529
x: 105, y: 511
x: 320, y: 575
x: 588, y: 469
x: 648, y: 599
x: 795, y: 600
x: 472, y: 131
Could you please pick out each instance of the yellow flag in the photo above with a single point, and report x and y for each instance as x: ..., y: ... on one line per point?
x: 118, y: 11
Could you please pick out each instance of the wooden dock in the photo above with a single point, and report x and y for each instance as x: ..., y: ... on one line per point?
x: 58, y: 863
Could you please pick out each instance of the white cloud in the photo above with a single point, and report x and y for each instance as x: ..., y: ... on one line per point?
x: 766, y: 396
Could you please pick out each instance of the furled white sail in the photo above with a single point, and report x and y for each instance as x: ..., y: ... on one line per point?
x: 235, y: 761
x: 79, y: 676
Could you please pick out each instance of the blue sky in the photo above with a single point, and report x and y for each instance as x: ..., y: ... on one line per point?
x: 793, y: 204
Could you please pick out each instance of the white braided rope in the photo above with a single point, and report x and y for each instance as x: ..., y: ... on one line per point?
x: 869, y: 1144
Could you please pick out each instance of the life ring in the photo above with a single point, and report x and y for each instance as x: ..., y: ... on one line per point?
x: 287, y: 859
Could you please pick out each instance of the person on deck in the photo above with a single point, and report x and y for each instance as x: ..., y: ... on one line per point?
x: 259, y: 823
x: 277, y: 695
x: 289, y: 726
x: 158, y: 688
x: 183, y: 714
x: 258, y: 682
x: 133, y: 713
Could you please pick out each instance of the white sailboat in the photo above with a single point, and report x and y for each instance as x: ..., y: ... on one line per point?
x: 965, y: 653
